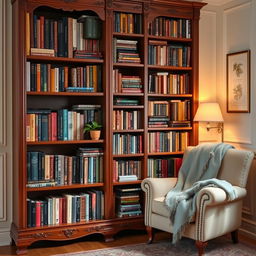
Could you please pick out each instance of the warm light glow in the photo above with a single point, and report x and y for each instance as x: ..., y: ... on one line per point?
x: 208, y: 112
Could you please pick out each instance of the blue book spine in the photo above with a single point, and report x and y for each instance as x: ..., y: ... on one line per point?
x: 34, y: 166
x: 65, y: 124
x: 90, y: 170
x: 44, y: 124
x: 35, y: 31
x: 29, y: 166
x: 60, y: 124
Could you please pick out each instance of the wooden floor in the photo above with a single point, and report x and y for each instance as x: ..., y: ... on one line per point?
x: 90, y: 243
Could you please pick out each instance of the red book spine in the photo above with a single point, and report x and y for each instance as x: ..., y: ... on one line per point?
x: 178, y: 163
x: 38, y: 213
x: 54, y: 126
x: 60, y: 210
x: 64, y: 210
x: 51, y: 167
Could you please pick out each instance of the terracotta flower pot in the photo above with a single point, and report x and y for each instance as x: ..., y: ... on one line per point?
x: 95, y: 135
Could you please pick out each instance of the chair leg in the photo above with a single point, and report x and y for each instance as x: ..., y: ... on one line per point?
x: 200, y: 247
x: 151, y: 234
x: 234, y: 236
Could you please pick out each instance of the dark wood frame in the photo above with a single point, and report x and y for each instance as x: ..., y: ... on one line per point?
x: 23, y: 236
x: 248, y: 96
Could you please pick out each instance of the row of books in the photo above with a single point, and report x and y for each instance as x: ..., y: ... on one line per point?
x: 126, y: 84
x: 52, y: 78
x: 67, y: 208
x: 158, y: 108
x: 44, y: 170
x: 163, y: 168
x: 63, y: 124
x: 160, y: 53
x: 127, y: 119
x: 163, y: 26
x: 126, y: 168
x: 167, y: 83
x: 128, y: 202
x: 180, y: 110
x: 60, y: 36
x: 127, y: 144
x: 127, y: 23
x: 171, y: 141
x: 125, y: 51
x: 158, y: 121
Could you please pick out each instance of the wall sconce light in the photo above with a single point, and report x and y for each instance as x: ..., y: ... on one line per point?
x: 210, y: 112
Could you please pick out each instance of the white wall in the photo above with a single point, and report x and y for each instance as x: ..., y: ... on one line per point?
x: 5, y: 122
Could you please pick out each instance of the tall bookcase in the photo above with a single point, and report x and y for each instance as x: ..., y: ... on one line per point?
x: 127, y: 78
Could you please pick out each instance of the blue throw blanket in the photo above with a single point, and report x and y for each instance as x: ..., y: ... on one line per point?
x: 199, y: 169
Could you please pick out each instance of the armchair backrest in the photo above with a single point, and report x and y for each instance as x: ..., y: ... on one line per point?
x: 235, y: 166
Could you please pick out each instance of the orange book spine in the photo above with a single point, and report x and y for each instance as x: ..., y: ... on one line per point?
x: 65, y: 77
x: 27, y: 33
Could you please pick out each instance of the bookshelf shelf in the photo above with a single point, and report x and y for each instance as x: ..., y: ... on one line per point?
x: 166, y: 154
x: 128, y: 94
x: 128, y: 155
x: 167, y: 38
x: 158, y: 95
x: 52, y: 27
x: 62, y: 60
x: 128, y: 107
x: 96, y: 94
x: 64, y: 142
x: 65, y: 187
x: 128, y: 131
x: 170, y: 129
x: 171, y: 68
x: 128, y: 35
x: 130, y: 65
x: 127, y: 183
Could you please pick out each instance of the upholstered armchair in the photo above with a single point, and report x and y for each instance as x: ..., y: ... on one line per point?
x: 215, y: 215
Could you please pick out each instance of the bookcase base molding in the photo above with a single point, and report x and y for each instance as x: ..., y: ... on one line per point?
x: 108, y: 228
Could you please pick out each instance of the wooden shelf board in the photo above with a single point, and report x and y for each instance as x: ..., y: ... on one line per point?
x: 65, y: 187
x: 169, y: 67
x: 135, y: 65
x: 168, y: 38
x: 170, y: 95
x: 128, y: 94
x: 127, y: 34
x: 128, y: 155
x: 170, y: 129
x: 127, y: 182
x: 66, y: 93
x: 63, y: 59
x: 60, y: 142
x: 165, y: 153
x: 136, y: 107
x: 128, y: 131
x: 64, y: 225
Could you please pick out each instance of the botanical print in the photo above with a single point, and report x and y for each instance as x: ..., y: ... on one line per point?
x: 238, y: 86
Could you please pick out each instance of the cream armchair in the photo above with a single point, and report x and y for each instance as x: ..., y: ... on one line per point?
x: 215, y: 216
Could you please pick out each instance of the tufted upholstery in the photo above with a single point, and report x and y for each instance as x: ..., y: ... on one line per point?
x: 215, y: 215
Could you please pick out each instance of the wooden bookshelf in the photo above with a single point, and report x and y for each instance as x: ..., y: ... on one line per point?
x: 30, y: 21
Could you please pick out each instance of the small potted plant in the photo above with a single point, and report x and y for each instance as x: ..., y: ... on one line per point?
x: 94, y: 129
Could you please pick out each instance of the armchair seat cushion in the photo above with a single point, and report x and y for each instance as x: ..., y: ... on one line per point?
x: 159, y: 207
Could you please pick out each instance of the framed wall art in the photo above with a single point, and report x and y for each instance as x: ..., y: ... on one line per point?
x: 238, y: 82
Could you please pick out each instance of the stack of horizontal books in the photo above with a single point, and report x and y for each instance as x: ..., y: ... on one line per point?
x: 128, y: 202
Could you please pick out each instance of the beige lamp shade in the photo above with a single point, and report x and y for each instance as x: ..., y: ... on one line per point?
x: 208, y: 112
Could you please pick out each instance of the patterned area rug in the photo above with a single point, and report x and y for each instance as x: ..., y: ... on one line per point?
x: 220, y: 246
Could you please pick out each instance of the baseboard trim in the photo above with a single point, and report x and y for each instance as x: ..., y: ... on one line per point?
x: 247, y: 233
x: 5, y: 238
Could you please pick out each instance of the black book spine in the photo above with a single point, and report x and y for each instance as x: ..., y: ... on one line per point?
x: 29, y: 212
x: 65, y: 36
x: 78, y: 200
x: 60, y: 39
x: 45, y: 213
x: 33, y: 213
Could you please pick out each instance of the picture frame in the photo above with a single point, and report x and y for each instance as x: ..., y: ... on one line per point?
x: 238, y: 82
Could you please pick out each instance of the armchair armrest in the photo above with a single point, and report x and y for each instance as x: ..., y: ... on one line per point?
x: 214, y: 196
x: 157, y: 187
